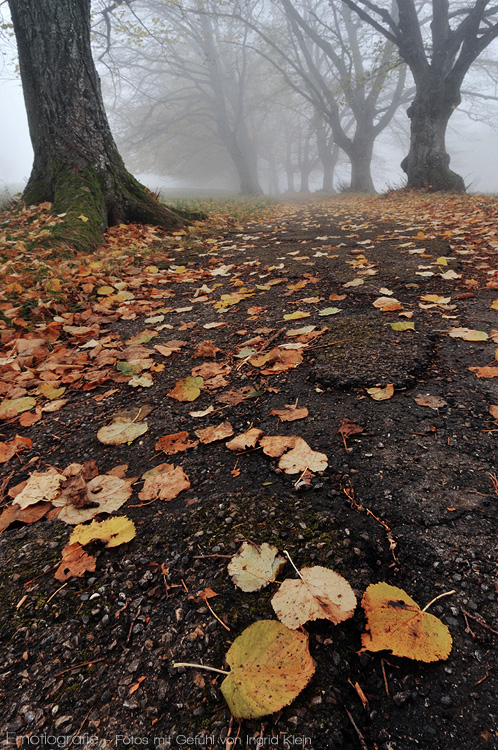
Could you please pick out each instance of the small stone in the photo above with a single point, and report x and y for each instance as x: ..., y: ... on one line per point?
x: 446, y: 700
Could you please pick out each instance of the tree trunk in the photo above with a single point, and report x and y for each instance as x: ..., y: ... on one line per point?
x: 76, y: 166
x: 360, y: 156
x: 427, y: 163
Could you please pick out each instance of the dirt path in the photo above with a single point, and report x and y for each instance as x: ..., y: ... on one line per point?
x: 410, y: 497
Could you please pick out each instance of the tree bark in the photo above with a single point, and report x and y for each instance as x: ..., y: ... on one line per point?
x: 76, y: 166
x: 427, y: 162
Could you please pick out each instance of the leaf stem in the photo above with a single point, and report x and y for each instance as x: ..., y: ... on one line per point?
x: 290, y: 560
x: 199, y: 666
x: 446, y: 593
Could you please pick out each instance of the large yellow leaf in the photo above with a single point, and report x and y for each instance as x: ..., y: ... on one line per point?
x: 397, y: 624
x: 114, y: 531
x: 270, y: 666
x: 319, y: 594
x: 121, y: 430
x: 11, y: 407
x: 468, y: 334
x: 254, y: 566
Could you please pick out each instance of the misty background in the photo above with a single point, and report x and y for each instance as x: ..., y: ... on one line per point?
x: 235, y: 96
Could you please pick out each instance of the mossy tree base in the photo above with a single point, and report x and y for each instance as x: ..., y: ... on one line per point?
x: 76, y: 166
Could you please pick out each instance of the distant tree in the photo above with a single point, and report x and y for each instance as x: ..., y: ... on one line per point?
x: 341, y: 70
x: 439, y: 62
x: 76, y: 166
x: 188, y: 66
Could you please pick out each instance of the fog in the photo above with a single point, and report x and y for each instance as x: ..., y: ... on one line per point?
x: 203, y: 102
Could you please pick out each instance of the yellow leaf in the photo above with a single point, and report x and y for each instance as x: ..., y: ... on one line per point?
x: 53, y: 285
x: 270, y: 666
x: 297, y: 315
x: 105, y: 291
x: 254, y: 566
x: 319, y: 594
x: 468, y: 334
x: 121, y: 430
x: 381, y: 394
x: 494, y: 305
x: 47, y: 389
x: 442, y: 261
x: 397, y: 624
x: 435, y: 298
x: 11, y: 407
x: 403, y: 325
x: 83, y: 217
x: 113, y: 531
x: 187, y: 389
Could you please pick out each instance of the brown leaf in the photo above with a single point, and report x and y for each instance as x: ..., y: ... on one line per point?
x: 175, y: 443
x: 215, y: 432
x: 165, y: 484
x: 210, y: 370
x: 206, y: 349
x: 349, y: 427
x: 75, y: 562
x: 247, y: 439
x: 485, y: 372
x: 290, y: 414
x: 433, y: 402
x: 169, y: 347
x: 30, y: 514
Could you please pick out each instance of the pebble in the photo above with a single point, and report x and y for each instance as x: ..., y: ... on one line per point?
x: 446, y: 700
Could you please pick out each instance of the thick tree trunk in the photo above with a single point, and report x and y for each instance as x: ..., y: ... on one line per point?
x: 360, y: 156
x: 427, y: 163
x: 76, y: 166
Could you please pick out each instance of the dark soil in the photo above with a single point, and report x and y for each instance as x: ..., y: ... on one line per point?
x: 410, y: 502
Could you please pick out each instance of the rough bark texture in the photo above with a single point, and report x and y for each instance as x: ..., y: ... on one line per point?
x: 76, y: 166
x: 427, y: 163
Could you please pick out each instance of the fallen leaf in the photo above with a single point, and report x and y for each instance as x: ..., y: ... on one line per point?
x: 247, y: 439
x: 175, y: 443
x: 329, y: 311
x: 187, y: 389
x: 11, y: 407
x: 485, y: 372
x: 103, y: 494
x: 381, y: 394
x: 396, y: 623
x: 299, y: 456
x: 468, y: 334
x: 75, y: 562
x: 121, y: 430
x: 320, y: 593
x: 493, y: 410
x: 113, y: 531
x: 290, y: 414
x: 206, y: 349
x: 29, y: 514
x: 270, y: 665
x: 254, y: 566
x: 165, y: 482
x: 18, y: 444
x: 169, y: 347
x: 297, y: 315
x: 433, y: 402
x: 403, y: 325
x: 387, y: 304
x: 215, y: 432
x: 40, y: 487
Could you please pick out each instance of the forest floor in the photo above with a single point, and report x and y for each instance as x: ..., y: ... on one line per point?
x: 405, y: 492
